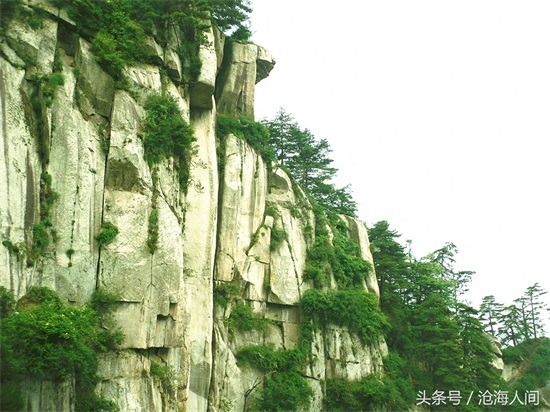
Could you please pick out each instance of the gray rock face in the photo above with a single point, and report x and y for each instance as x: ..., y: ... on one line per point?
x: 89, y: 141
x: 244, y: 65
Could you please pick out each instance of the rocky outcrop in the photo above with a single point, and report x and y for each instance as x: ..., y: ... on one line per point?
x: 244, y: 65
x: 88, y: 141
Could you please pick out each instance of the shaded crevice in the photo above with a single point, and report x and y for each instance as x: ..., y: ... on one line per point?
x: 98, y: 270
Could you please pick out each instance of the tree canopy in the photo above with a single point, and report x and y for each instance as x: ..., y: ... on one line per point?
x: 308, y: 160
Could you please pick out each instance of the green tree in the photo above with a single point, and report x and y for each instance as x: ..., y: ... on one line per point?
x: 535, y: 308
x: 392, y: 269
x: 231, y: 16
x: 436, y: 345
x: 458, y: 280
x: 282, y: 135
x: 490, y: 312
x: 477, y: 351
x: 510, y: 329
x: 308, y: 161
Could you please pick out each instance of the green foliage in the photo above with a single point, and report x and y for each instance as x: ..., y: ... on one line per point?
x: 58, y: 64
x: 45, y: 339
x: 278, y: 236
x: 255, y: 134
x: 166, y: 134
x: 295, y: 213
x: 11, y: 398
x: 533, y: 357
x: 285, y: 391
x: 242, y: 35
x: 103, y: 302
x: 242, y: 318
x: 56, y: 80
x: 348, y: 267
x: 107, y: 234
x: 356, y: 309
x: 35, y: 23
x: 108, y: 55
x: 164, y: 375
x: 271, y: 210
x: 117, y: 40
x: 118, y: 28
x: 47, y: 198
x: 266, y: 359
x: 7, y: 302
x: 340, y: 257
x: 49, y: 85
x: 153, y: 230
x: 42, y: 231
x: 231, y: 15
x: 284, y: 388
x: 538, y: 370
x: 19, y: 250
x: 225, y: 292
x: 8, y: 11
x: 308, y: 160
x: 320, y: 256
x: 41, y: 237
x: 368, y: 394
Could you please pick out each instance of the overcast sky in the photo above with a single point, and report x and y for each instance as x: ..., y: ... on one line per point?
x: 438, y: 113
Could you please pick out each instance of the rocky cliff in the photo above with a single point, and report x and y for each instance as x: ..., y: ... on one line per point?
x: 82, y: 141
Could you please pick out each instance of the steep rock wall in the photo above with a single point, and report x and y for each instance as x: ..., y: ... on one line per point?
x: 89, y: 142
x: 271, y: 281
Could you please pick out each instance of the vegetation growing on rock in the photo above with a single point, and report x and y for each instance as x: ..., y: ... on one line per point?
x: 166, y: 134
x: 117, y: 29
x: 107, y: 234
x: 46, y: 339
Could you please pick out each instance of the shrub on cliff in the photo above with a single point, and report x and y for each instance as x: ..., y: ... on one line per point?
x: 46, y: 339
x: 167, y: 134
x: 254, y: 133
x: 353, y: 308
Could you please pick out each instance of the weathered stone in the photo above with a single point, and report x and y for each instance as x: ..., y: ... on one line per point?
x: 198, y: 252
x: 35, y: 47
x: 173, y: 64
x: 96, y: 86
x: 127, y: 378
x: 244, y: 66
x: 19, y: 179
x: 11, y: 56
x: 219, y: 43
x: 202, y: 91
x: 154, y: 51
x: 43, y: 395
x: 77, y: 167
x: 264, y: 64
x: 243, y: 191
x: 358, y: 232
x: 145, y: 77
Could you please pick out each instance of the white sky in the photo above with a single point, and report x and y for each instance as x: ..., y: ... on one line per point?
x: 438, y: 113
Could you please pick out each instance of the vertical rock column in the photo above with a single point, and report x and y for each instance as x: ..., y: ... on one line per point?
x: 200, y: 227
x: 244, y: 65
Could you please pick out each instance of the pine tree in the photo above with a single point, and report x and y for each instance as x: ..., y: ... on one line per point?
x: 510, y: 330
x: 490, y: 312
x: 477, y: 351
x: 282, y: 131
x: 524, y: 321
x: 391, y: 267
x: 535, y: 308
x: 308, y: 161
x: 436, y: 344
x: 458, y: 280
